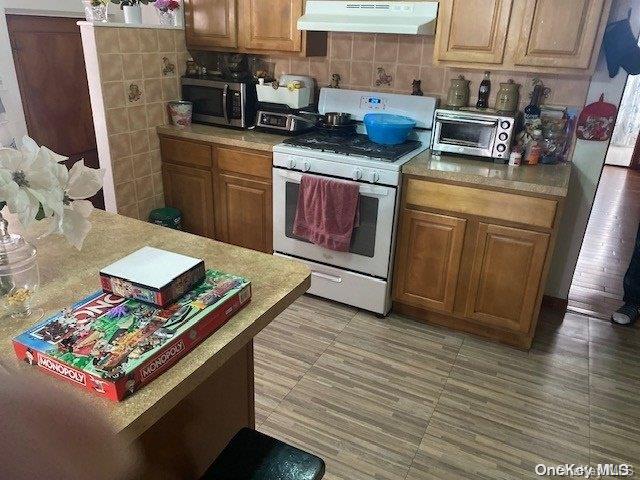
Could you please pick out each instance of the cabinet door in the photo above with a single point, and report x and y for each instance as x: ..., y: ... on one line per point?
x: 429, y: 252
x: 211, y: 23
x: 505, y: 276
x: 472, y: 31
x: 245, y: 213
x: 272, y: 25
x: 559, y: 34
x: 191, y: 191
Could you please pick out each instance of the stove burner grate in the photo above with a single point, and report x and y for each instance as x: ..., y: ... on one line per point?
x: 356, y: 144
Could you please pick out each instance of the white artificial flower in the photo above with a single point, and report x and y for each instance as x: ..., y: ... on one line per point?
x: 83, y: 181
x: 74, y: 225
x: 79, y: 183
x: 27, y: 182
x: 33, y: 178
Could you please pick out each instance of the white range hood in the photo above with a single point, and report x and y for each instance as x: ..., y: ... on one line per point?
x: 409, y: 18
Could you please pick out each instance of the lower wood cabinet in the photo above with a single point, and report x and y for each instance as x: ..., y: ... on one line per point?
x: 244, y: 213
x: 472, y: 265
x: 223, y: 192
x: 190, y: 190
x: 505, y: 276
x: 427, y: 265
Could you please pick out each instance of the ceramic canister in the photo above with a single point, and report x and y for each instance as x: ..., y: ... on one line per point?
x: 458, y: 95
x: 508, y: 96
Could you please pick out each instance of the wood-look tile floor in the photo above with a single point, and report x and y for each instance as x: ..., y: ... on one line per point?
x: 395, y: 399
x: 596, y: 289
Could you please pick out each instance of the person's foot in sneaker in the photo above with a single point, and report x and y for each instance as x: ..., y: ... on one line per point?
x: 626, y: 314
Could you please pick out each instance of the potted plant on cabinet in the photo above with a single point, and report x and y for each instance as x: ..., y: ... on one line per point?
x: 167, y: 11
x: 96, y: 10
x: 132, y: 10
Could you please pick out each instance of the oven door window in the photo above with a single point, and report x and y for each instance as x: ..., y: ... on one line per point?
x: 363, y: 241
x: 206, y: 100
x: 473, y: 135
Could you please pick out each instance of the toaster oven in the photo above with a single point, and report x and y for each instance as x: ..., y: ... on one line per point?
x: 480, y: 133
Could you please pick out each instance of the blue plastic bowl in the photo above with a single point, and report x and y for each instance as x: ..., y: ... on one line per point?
x: 388, y: 129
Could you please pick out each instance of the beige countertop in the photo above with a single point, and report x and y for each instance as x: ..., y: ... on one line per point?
x: 540, y: 179
x: 224, y: 136
x: 68, y: 275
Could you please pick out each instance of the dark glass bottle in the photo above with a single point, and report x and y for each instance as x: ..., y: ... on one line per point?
x: 532, y: 111
x: 484, y: 91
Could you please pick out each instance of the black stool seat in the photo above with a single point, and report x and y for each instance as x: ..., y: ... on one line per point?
x: 252, y: 455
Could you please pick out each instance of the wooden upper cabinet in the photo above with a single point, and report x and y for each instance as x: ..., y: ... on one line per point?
x: 211, y: 23
x: 472, y: 31
x: 272, y: 25
x: 428, y: 260
x: 559, y: 34
x: 250, y: 26
x: 506, y: 276
x: 541, y: 36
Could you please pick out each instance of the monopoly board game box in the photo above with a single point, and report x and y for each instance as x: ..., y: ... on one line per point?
x: 113, y: 346
x: 152, y: 275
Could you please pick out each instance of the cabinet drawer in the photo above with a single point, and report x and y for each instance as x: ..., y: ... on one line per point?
x: 244, y: 162
x: 538, y: 212
x: 186, y: 153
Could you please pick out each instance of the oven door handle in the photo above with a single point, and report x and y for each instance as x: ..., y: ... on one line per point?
x: 225, y: 108
x: 364, y: 189
x: 463, y: 120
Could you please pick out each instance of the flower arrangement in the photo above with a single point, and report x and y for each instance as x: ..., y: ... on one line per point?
x: 167, y: 5
x: 131, y: 3
x: 35, y: 185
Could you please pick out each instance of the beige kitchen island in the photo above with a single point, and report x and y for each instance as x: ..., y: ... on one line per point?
x: 185, y: 417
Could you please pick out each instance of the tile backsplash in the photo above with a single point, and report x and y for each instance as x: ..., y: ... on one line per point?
x: 383, y: 62
x: 139, y: 73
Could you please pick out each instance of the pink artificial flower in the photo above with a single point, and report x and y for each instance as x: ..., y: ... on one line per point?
x: 167, y: 5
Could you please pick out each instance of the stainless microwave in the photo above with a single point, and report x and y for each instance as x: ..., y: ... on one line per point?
x: 220, y: 102
x: 480, y: 133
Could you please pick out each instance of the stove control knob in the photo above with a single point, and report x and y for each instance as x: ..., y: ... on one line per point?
x: 291, y: 163
x: 375, y: 176
x: 306, y: 167
x: 357, y: 174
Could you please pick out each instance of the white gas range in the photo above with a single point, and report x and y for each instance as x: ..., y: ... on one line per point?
x: 362, y: 276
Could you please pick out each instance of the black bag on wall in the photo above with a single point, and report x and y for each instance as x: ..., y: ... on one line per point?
x: 621, y: 47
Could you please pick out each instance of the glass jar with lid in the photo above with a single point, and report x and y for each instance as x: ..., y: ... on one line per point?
x: 19, y: 275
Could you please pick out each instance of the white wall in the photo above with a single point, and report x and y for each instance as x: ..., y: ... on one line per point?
x: 9, y: 91
x: 588, y: 160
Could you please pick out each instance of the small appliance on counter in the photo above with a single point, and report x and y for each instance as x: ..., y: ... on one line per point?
x: 286, y: 106
x: 219, y: 100
x: 480, y: 133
